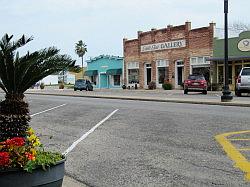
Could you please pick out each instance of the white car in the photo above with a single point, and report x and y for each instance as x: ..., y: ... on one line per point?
x: 243, y: 82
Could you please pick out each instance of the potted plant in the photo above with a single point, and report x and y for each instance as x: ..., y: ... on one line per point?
x: 20, y: 149
x: 42, y: 86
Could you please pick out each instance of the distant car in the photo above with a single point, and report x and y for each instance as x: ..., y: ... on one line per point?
x: 195, y: 83
x: 243, y: 82
x: 82, y: 84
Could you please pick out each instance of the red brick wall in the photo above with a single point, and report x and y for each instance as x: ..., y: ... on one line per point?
x: 199, y: 42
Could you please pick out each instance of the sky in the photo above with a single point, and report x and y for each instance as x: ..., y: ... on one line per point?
x: 102, y: 24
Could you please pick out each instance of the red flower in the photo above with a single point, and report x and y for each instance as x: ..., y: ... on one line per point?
x: 30, y: 156
x: 17, y: 141
x: 4, y: 158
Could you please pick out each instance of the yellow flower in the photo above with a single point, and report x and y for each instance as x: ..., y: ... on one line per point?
x: 36, y: 143
x: 33, y: 151
x: 32, y: 138
x: 31, y: 131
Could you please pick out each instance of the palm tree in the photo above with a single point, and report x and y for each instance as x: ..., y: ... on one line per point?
x: 81, y: 49
x: 17, y: 74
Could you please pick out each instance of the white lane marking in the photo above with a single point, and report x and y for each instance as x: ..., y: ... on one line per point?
x: 88, y: 133
x: 47, y: 110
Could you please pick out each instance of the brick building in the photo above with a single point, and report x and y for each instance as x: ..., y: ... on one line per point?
x: 168, y: 54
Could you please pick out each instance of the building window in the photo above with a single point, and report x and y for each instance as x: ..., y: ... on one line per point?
x: 93, y: 79
x: 162, y: 74
x: 220, y: 74
x: 133, y: 72
x: 117, y: 80
x: 162, y: 67
x: 133, y: 76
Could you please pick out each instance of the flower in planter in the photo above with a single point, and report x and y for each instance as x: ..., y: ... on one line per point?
x: 19, y: 146
x: 4, y: 159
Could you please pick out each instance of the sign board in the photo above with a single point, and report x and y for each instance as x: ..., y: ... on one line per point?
x: 244, y: 45
x: 163, y: 46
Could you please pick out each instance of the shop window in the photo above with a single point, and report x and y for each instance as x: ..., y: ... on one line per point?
x: 237, y: 70
x: 205, y: 71
x: 133, y: 76
x: 230, y: 76
x: 162, y: 74
x: 220, y: 74
x: 117, y: 80
x: 93, y: 79
x: 246, y: 65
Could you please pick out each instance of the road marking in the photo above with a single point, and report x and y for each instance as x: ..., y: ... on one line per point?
x: 47, y: 110
x: 240, y: 161
x: 87, y: 133
x: 239, y: 139
x: 244, y: 149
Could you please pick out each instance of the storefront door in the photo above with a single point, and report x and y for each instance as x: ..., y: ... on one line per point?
x: 179, y: 71
x: 103, y: 81
x: 148, y: 74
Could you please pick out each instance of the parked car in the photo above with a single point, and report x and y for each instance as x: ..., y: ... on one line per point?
x: 243, y: 82
x: 195, y: 83
x: 82, y: 84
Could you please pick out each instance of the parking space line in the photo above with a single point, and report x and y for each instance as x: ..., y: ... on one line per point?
x: 233, y: 153
x: 74, y: 144
x: 244, y: 149
x: 239, y: 139
x: 47, y: 110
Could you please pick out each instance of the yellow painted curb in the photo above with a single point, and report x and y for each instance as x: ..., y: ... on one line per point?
x: 240, y: 161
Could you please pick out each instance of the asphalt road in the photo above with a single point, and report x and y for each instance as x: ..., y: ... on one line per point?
x: 143, y: 143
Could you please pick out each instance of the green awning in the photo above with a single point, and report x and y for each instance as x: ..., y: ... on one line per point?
x: 90, y: 73
x: 114, y: 72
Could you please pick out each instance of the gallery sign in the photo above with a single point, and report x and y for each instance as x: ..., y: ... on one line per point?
x: 162, y: 46
x: 244, y: 45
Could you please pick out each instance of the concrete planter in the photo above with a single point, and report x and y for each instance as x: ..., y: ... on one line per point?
x: 52, y: 177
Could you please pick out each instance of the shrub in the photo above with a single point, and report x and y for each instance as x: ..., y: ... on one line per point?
x: 152, y: 85
x: 42, y: 86
x: 167, y: 86
x: 61, y: 86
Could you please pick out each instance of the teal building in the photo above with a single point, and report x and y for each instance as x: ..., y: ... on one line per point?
x: 105, y: 71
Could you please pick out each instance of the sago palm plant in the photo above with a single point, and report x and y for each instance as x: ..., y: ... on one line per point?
x: 19, y: 73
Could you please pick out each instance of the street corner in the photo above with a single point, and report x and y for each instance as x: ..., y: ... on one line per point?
x: 237, y: 147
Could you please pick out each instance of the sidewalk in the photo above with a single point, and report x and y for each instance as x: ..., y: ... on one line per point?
x: 159, y: 95
x: 70, y: 182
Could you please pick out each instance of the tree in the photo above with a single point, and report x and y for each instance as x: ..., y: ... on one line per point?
x: 81, y: 49
x: 239, y: 26
x: 17, y: 74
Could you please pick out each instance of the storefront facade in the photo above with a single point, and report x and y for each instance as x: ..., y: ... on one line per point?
x: 239, y: 57
x: 168, y: 54
x: 105, y: 71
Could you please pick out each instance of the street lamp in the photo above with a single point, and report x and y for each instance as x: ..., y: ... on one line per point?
x: 227, y: 96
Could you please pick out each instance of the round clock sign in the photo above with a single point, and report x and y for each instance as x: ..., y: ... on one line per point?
x: 244, y: 45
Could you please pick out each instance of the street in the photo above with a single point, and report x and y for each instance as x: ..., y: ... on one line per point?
x: 142, y: 144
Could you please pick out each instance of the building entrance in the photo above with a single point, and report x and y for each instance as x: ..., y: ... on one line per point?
x: 148, y: 74
x: 179, y: 73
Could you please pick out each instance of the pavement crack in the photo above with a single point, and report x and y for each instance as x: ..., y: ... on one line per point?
x: 218, y: 169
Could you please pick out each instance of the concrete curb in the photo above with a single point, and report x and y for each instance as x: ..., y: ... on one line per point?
x: 149, y: 99
x: 70, y: 182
